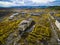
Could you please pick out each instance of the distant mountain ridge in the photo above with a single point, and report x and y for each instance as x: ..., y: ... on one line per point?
x: 29, y: 7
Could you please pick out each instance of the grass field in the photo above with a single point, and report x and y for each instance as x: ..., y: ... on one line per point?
x: 41, y: 32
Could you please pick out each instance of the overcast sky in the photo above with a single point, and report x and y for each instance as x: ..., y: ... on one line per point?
x: 10, y: 3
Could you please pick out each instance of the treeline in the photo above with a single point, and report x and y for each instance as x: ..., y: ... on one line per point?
x: 54, y: 7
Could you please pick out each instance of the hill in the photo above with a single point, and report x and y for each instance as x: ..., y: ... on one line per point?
x: 54, y: 7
